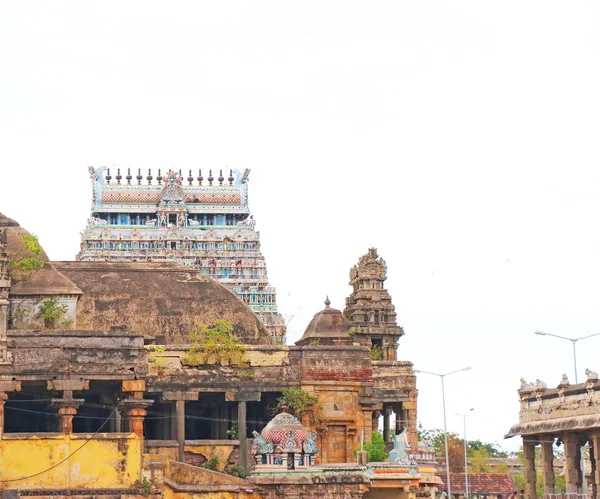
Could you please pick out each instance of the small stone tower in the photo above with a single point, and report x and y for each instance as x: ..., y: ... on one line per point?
x: 370, y: 308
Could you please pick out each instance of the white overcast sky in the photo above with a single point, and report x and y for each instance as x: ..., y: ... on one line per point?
x: 460, y: 138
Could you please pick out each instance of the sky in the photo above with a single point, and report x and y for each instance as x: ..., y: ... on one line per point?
x: 460, y: 138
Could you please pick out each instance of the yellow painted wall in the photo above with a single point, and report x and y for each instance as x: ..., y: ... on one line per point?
x: 107, y: 461
x: 170, y: 494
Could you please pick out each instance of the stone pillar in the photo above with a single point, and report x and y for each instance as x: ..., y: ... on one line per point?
x: 241, y: 398
x: 595, y: 458
x: 242, y: 434
x: 572, y: 462
x: 375, y: 422
x: 548, y: 461
x: 411, y: 417
x: 118, y: 427
x: 180, y: 411
x: 386, y: 424
x: 5, y: 356
x: 180, y: 399
x: 367, y: 427
x: 529, y: 471
x: 214, y: 424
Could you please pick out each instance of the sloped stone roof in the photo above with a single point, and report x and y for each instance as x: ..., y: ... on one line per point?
x: 329, y: 327
x: 46, y: 281
x: 158, y: 299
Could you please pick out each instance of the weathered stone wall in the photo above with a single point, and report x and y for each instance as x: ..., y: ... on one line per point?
x: 52, y: 352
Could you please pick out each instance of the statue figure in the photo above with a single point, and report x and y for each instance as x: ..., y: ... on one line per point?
x: 591, y: 375
x: 97, y: 221
x: 401, y: 445
x: 152, y: 221
x: 193, y: 223
x: 260, y: 445
x: 540, y: 385
x: 564, y: 381
x: 310, y: 446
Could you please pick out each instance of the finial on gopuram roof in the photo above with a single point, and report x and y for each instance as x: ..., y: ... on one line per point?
x: 190, y: 179
x: 200, y: 177
x: 327, y: 302
x: 370, y: 266
x: 139, y: 176
x: 230, y: 178
x: 119, y: 176
x: 221, y: 177
x: 128, y: 177
x: 108, y: 176
x: 210, y: 177
x: 159, y: 177
x: 149, y: 177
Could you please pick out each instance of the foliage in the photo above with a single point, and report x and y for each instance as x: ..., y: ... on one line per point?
x: 246, y: 374
x: 30, y: 246
x: 560, y: 485
x: 314, y: 343
x: 236, y: 470
x: 155, y: 361
x: 376, y: 352
x: 278, y: 341
x: 352, y: 331
x: 480, y: 461
x: 212, y: 464
x: 232, y: 433
x: 144, y: 487
x: 214, y: 344
x: 17, y: 316
x: 299, y: 402
x: 376, y: 450
x: 53, y: 313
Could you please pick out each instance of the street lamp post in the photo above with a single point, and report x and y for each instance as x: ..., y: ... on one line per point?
x: 442, y: 376
x: 464, y: 416
x: 572, y: 340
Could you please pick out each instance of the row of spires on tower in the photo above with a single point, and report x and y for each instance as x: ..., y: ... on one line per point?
x: 139, y: 177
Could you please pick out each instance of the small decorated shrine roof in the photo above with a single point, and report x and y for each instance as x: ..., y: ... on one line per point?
x: 282, y: 427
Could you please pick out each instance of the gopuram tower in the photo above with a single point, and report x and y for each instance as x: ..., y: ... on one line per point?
x: 204, y: 224
x: 370, y: 307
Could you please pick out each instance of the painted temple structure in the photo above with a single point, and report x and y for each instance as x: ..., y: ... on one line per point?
x: 203, y: 224
x: 95, y: 364
x: 568, y: 416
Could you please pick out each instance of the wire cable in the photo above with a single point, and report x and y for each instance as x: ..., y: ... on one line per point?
x: 66, y: 458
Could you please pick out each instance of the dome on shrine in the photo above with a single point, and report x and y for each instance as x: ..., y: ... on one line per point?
x: 328, y: 327
x: 45, y: 281
x: 283, y: 427
x: 165, y: 301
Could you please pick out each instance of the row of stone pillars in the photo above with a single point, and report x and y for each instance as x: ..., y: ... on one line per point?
x: 242, y: 398
x: 573, y: 460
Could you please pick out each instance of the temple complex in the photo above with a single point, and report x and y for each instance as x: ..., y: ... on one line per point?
x: 203, y: 224
x: 567, y: 416
x: 102, y: 361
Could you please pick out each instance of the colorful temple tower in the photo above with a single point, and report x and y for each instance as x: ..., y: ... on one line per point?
x: 205, y: 224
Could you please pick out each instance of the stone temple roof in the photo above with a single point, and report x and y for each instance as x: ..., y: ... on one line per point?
x: 46, y: 281
x: 163, y: 300
x: 329, y: 327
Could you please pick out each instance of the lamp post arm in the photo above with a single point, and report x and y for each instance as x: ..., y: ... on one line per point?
x: 446, y: 440
x: 556, y: 336
x: 588, y: 336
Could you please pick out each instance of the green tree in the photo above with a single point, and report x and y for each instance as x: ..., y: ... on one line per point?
x: 26, y: 258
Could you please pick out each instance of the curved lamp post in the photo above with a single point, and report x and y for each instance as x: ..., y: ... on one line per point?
x: 572, y: 340
x: 442, y: 376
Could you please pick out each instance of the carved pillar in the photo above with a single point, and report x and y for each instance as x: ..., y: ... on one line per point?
x: 595, y: 458
x: 411, y: 413
x: 375, y: 422
x: 67, y: 408
x: 548, y: 461
x: 3, y: 399
x: 572, y: 462
x: 135, y: 405
x: 5, y: 356
x: 529, y: 471
x: 180, y: 399
x: 367, y: 427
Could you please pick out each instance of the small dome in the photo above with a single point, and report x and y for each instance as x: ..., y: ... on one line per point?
x: 328, y: 327
x: 286, y: 432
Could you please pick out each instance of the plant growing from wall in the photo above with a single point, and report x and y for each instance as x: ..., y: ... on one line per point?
x: 300, y: 403
x: 144, y: 487
x: 314, y: 343
x: 212, y: 464
x: 53, y: 313
x: 232, y: 433
x: 376, y: 352
x: 375, y: 448
x: 26, y: 259
x: 246, y: 374
x: 155, y: 362
x: 214, y: 344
